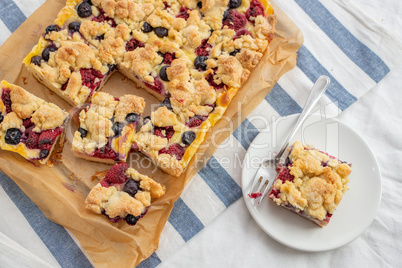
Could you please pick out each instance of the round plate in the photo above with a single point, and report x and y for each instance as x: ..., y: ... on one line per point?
x: 358, y: 206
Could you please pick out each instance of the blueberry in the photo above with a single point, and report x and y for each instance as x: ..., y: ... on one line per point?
x: 117, y: 128
x: 36, y: 60
x: 161, y: 31
x: 1, y: 118
x: 132, y: 117
x: 199, y: 5
x: 162, y: 73
x: 46, y: 52
x: 131, y: 187
x: 234, y: 52
x: 146, y: 119
x: 43, y: 153
x: 146, y: 27
x: 111, y: 67
x: 74, y: 26
x: 84, y: 9
x: 13, y: 136
x: 52, y: 28
x: 166, y: 102
x: 100, y: 37
x: 200, y: 64
x: 225, y: 14
x: 188, y: 137
x: 83, y: 132
x: 234, y: 3
x: 132, y: 220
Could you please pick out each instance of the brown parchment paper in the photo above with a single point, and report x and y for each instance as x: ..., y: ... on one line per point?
x: 60, y: 191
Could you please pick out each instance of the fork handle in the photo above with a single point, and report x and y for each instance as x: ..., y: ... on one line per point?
x: 319, y: 87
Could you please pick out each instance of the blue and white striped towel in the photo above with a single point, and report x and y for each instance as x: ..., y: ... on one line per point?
x: 340, y: 41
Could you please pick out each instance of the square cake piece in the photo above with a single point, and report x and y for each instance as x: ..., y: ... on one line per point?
x: 123, y: 194
x: 29, y: 125
x: 310, y: 184
x: 107, y: 126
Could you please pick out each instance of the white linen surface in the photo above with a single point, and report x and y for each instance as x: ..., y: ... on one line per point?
x: 234, y: 240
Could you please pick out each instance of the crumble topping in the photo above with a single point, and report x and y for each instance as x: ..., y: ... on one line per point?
x: 315, y: 189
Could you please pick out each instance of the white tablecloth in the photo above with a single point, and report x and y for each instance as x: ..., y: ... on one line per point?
x: 234, y: 240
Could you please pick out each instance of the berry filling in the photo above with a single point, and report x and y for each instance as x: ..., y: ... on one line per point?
x: 157, y: 86
x: 104, y: 18
x: 184, y: 13
x: 116, y: 175
x: 174, y: 150
x: 166, y: 5
x: 255, y: 9
x: 133, y: 44
x: 284, y: 174
x: 203, y: 49
x: 64, y: 86
x: 106, y: 152
x: 168, y: 58
x: 91, y: 78
x: 164, y: 132
x: 241, y: 32
x: 48, y: 137
x: 255, y: 195
x: 210, y: 79
x: 235, y: 20
x: 196, y: 120
x: 31, y: 139
x: 6, y: 99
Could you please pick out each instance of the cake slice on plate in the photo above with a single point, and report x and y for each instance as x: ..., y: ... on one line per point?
x: 310, y: 184
x: 29, y: 125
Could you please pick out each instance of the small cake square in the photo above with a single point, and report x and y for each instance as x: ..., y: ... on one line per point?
x: 29, y: 125
x: 311, y: 183
x: 107, y: 126
x: 123, y: 194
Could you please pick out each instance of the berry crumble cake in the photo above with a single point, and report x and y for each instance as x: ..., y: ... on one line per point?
x: 106, y: 128
x: 123, y: 194
x: 311, y: 184
x: 192, y: 55
x: 29, y: 125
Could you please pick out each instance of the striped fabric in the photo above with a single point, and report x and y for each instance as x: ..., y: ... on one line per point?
x: 337, y: 44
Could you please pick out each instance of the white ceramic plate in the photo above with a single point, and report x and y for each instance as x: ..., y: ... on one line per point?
x: 359, y: 204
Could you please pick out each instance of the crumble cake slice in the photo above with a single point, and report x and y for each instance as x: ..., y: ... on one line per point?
x: 106, y: 128
x: 29, y: 125
x: 311, y: 184
x: 123, y: 194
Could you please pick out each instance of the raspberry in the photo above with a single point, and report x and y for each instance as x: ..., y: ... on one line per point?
x: 5, y: 97
x: 91, y: 78
x: 203, y: 49
x: 32, y: 140
x: 169, y: 132
x: 106, y: 152
x: 166, y: 5
x: 210, y: 79
x: 235, y: 20
x: 174, y: 150
x: 275, y: 193
x: 157, y: 86
x: 168, y: 58
x: 241, y: 32
x: 183, y: 13
x: 48, y: 137
x: 133, y: 44
x: 64, y: 86
x: 27, y: 123
x: 254, y: 195
x: 115, y: 175
x: 103, y: 17
x: 255, y: 9
x: 196, y: 120
x: 285, y: 175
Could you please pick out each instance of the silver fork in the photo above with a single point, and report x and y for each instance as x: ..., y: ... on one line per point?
x: 267, y: 171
